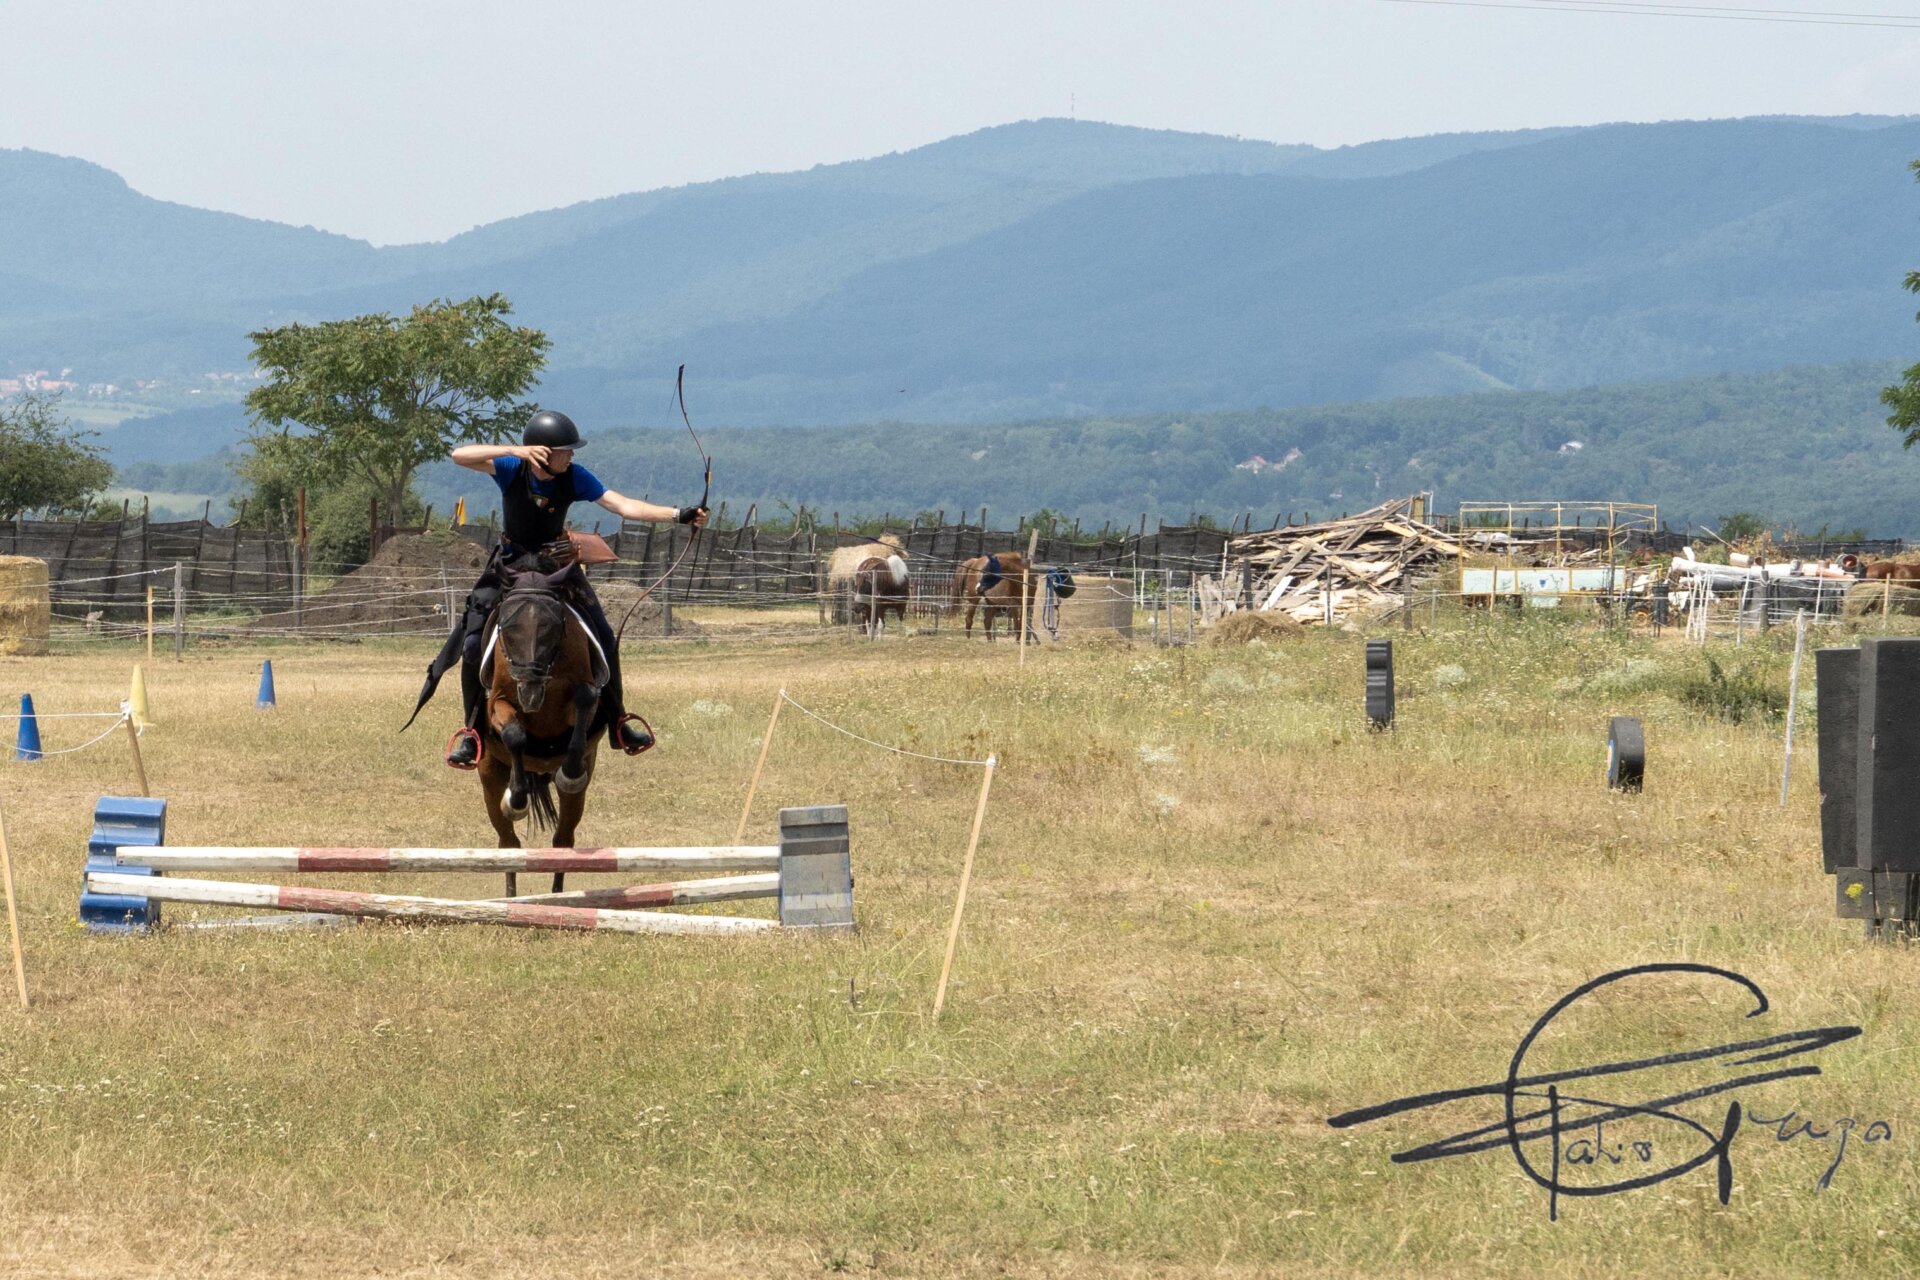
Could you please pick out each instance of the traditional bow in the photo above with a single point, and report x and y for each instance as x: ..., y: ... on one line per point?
x: 706, y: 491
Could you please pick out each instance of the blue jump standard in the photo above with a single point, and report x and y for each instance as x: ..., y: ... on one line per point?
x: 265, y: 701
x: 118, y: 821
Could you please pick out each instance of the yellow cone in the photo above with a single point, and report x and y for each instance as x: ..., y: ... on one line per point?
x: 137, y: 700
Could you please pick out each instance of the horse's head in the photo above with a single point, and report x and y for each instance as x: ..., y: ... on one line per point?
x: 533, y: 622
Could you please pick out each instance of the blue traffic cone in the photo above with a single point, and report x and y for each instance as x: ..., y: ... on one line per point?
x: 28, y: 745
x: 265, y: 701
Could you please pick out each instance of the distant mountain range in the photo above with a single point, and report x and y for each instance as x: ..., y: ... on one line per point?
x: 1054, y: 268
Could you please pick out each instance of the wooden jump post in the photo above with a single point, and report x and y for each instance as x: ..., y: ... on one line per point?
x: 809, y: 873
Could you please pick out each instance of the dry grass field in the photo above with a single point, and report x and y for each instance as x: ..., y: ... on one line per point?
x: 1210, y: 911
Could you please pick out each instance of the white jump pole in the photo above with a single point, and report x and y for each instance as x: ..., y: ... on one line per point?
x: 679, y: 893
x: 404, y: 907
x: 320, y: 858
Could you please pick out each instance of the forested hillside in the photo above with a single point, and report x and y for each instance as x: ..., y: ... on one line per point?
x: 1806, y: 446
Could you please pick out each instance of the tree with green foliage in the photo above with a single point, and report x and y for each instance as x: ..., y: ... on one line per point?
x: 1904, y: 399
x: 379, y: 397
x: 1744, y: 526
x: 44, y: 462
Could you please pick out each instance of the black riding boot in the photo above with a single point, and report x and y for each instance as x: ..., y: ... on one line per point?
x: 628, y: 733
x: 464, y: 751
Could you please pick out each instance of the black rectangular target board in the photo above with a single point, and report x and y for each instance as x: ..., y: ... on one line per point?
x: 1887, y: 755
x: 1836, y: 675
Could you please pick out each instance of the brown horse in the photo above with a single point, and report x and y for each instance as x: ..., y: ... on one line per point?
x: 879, y: 586
x: 1892, y: 571
x: 541, y: 728
x: 1001, y: 594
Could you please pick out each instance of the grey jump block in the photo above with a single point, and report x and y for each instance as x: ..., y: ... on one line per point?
x: 816, y: 868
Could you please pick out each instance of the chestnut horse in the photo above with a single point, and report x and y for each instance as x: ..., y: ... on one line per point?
x: 1892, y: 571
x: 878, y: 586
x: 1000, y: 593
x: 542, y: 726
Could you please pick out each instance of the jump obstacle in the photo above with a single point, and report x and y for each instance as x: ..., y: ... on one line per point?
x: 809, y: 872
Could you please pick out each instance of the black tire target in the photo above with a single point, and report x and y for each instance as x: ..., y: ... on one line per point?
x: 1626, y: 754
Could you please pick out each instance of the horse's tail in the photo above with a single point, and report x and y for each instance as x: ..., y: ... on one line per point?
x: 962, y: 579
x: 897, y: 570
x: 541, y: 815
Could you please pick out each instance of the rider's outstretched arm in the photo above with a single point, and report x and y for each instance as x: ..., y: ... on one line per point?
x: 635, y: 509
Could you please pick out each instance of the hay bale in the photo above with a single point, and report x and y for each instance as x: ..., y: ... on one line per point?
x: 26, y: 606
x: 844, y: 560
x: 1866, y: 598
x: 1245, y: 625
x: 1097, y: 607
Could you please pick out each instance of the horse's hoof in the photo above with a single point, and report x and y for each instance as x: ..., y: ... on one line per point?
x: 570, y: 786
x: 516, y: 806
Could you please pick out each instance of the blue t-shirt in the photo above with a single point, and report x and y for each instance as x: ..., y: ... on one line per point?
x: 586, y: 485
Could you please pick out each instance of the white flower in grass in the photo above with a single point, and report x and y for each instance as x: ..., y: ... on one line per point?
x: 1163, y: 804
x: 710, y: 707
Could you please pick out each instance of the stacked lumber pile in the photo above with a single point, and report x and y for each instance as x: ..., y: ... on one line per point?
x: 1357, y: 564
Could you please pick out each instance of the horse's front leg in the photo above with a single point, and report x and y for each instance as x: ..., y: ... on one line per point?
x: 493, y: 788
x: 575, y: 772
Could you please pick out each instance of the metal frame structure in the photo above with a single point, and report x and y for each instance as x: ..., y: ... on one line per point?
x: 1494, y: 534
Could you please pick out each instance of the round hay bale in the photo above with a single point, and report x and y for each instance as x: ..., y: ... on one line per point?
x: 1245, y: 625
x: 1865, y: 598
x: 26, y: 606
x: 1097, y: 607
x: 844, y: 560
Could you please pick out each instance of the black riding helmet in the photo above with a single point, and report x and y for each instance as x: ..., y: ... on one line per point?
x: 553, y: 429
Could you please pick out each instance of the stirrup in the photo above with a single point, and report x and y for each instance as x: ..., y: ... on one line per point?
x: 479, y: 749
x: 617, y: 734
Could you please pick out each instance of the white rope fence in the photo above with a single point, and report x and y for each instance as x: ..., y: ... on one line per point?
x: 973, y: 837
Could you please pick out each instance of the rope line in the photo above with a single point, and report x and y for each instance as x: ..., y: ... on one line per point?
x: 110, y: 731
x: 899, y: 751
x: 64, y: 715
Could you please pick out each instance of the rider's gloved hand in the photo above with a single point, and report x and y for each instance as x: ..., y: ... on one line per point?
x: 695, y: 516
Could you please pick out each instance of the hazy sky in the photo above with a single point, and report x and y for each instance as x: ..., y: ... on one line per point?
x: 416, y: 119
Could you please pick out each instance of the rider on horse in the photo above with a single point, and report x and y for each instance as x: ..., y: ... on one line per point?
x: 538, y: 481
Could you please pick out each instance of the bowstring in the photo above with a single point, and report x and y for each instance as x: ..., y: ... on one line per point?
x: 706, y: 492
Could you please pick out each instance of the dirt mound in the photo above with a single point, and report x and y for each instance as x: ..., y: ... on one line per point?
x: 417, y: 579
x: 408, y: 586
x: 645, y: 624
x: 1244, y: 625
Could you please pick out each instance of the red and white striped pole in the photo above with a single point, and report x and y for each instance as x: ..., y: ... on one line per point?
x: 403, y: 907
x: 325, y: 858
